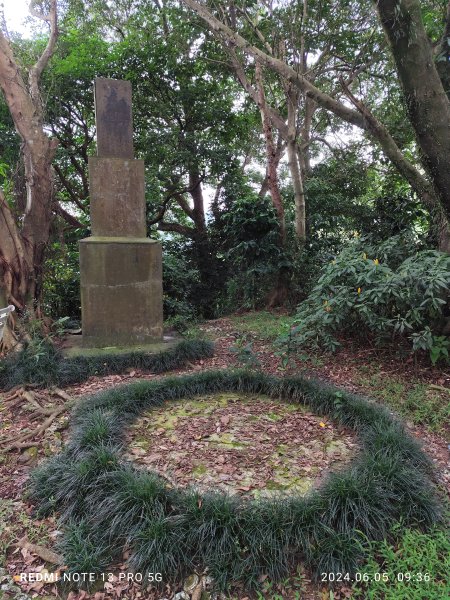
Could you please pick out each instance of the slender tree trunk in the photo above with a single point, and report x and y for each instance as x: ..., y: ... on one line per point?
x: 304, y: 155
x: 279, y: 293
x: 279, y: 153
x: 294, y: 168
x: 271, y: 154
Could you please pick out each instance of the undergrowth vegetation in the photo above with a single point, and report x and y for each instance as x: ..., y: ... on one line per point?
x: 388, y: 290
x: 416, y: 568
x: 41, y: 363
x: 416, y: 401
x: 264, y: 325
x: 106, y: 504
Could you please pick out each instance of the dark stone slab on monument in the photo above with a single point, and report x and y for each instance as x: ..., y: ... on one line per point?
x: 113, y: 118
x: 117, y: 188
x: 121, y: 291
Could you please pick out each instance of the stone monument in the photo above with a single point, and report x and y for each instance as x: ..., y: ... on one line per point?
x: 121, y: 269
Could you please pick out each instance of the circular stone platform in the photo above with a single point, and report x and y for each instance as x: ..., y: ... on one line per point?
x: 242, y: 444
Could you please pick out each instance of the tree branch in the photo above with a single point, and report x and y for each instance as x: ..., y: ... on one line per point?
x: 66, y: 183
x: 417, y: 181
x: 275, y: 116
x: 36, y: 70
x: 347, y: 114
x: 69, y: 219
x: 177, y: 228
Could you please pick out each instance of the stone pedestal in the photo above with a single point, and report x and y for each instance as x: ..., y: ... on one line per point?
x: 121, y: 291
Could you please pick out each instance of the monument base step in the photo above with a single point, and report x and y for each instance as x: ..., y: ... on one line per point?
x: 121, y: 291
x: 73, y: 347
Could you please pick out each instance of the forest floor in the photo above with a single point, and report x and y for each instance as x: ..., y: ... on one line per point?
x: 418, y: 393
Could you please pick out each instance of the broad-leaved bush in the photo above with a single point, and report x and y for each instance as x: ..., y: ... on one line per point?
x: 386, y: 290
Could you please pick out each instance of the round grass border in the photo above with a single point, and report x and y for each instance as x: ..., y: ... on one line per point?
x: 41, y: 363
x: 107, y: 505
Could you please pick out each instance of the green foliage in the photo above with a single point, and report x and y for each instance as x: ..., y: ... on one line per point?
x: 384, y: 289
x: 36, y: 363
x: 61, y: 293
x: 82, y: 551
x: 9, y: 144
x: 244, y: 353
x: 264, y: 325
x: 248, y: 233
x: 41, y: 364
x: 180, y: 283
x: 178, y: 530
x: 416, y: 568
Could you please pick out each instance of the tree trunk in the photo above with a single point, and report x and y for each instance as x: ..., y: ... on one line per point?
x: 206, y: 261
x: 271, y: 153
x: 279, y: 293
x: 294, y: 168
x: 427, y: 103
x: 434, y: 139
x: 24, y: 237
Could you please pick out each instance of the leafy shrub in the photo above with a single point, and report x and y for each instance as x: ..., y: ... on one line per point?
x: 383, y: 289
x: 179, y: 283
x: 61, y: 291
x: 245, y: 354
x: 249, y: 237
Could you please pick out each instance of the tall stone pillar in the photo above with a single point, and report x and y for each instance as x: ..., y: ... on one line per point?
x: 121, y: 269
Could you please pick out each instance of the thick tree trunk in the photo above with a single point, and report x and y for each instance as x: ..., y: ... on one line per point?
x: 206, y: 261
x: 24, y: 237
x: 427, y: 103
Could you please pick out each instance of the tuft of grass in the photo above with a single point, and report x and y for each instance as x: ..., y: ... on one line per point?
x: 417, y: 402
x: 176, y: 531
x: 417, y: 567
x: 336, y: 552
x: 36, y: 363
x: 354, y: 502
x: 266, y: 326
x: 82, y: 550
x: 43, y: 365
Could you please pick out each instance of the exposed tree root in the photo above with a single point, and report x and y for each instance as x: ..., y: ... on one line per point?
x: 44, y: 553
x: 28, y: 400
